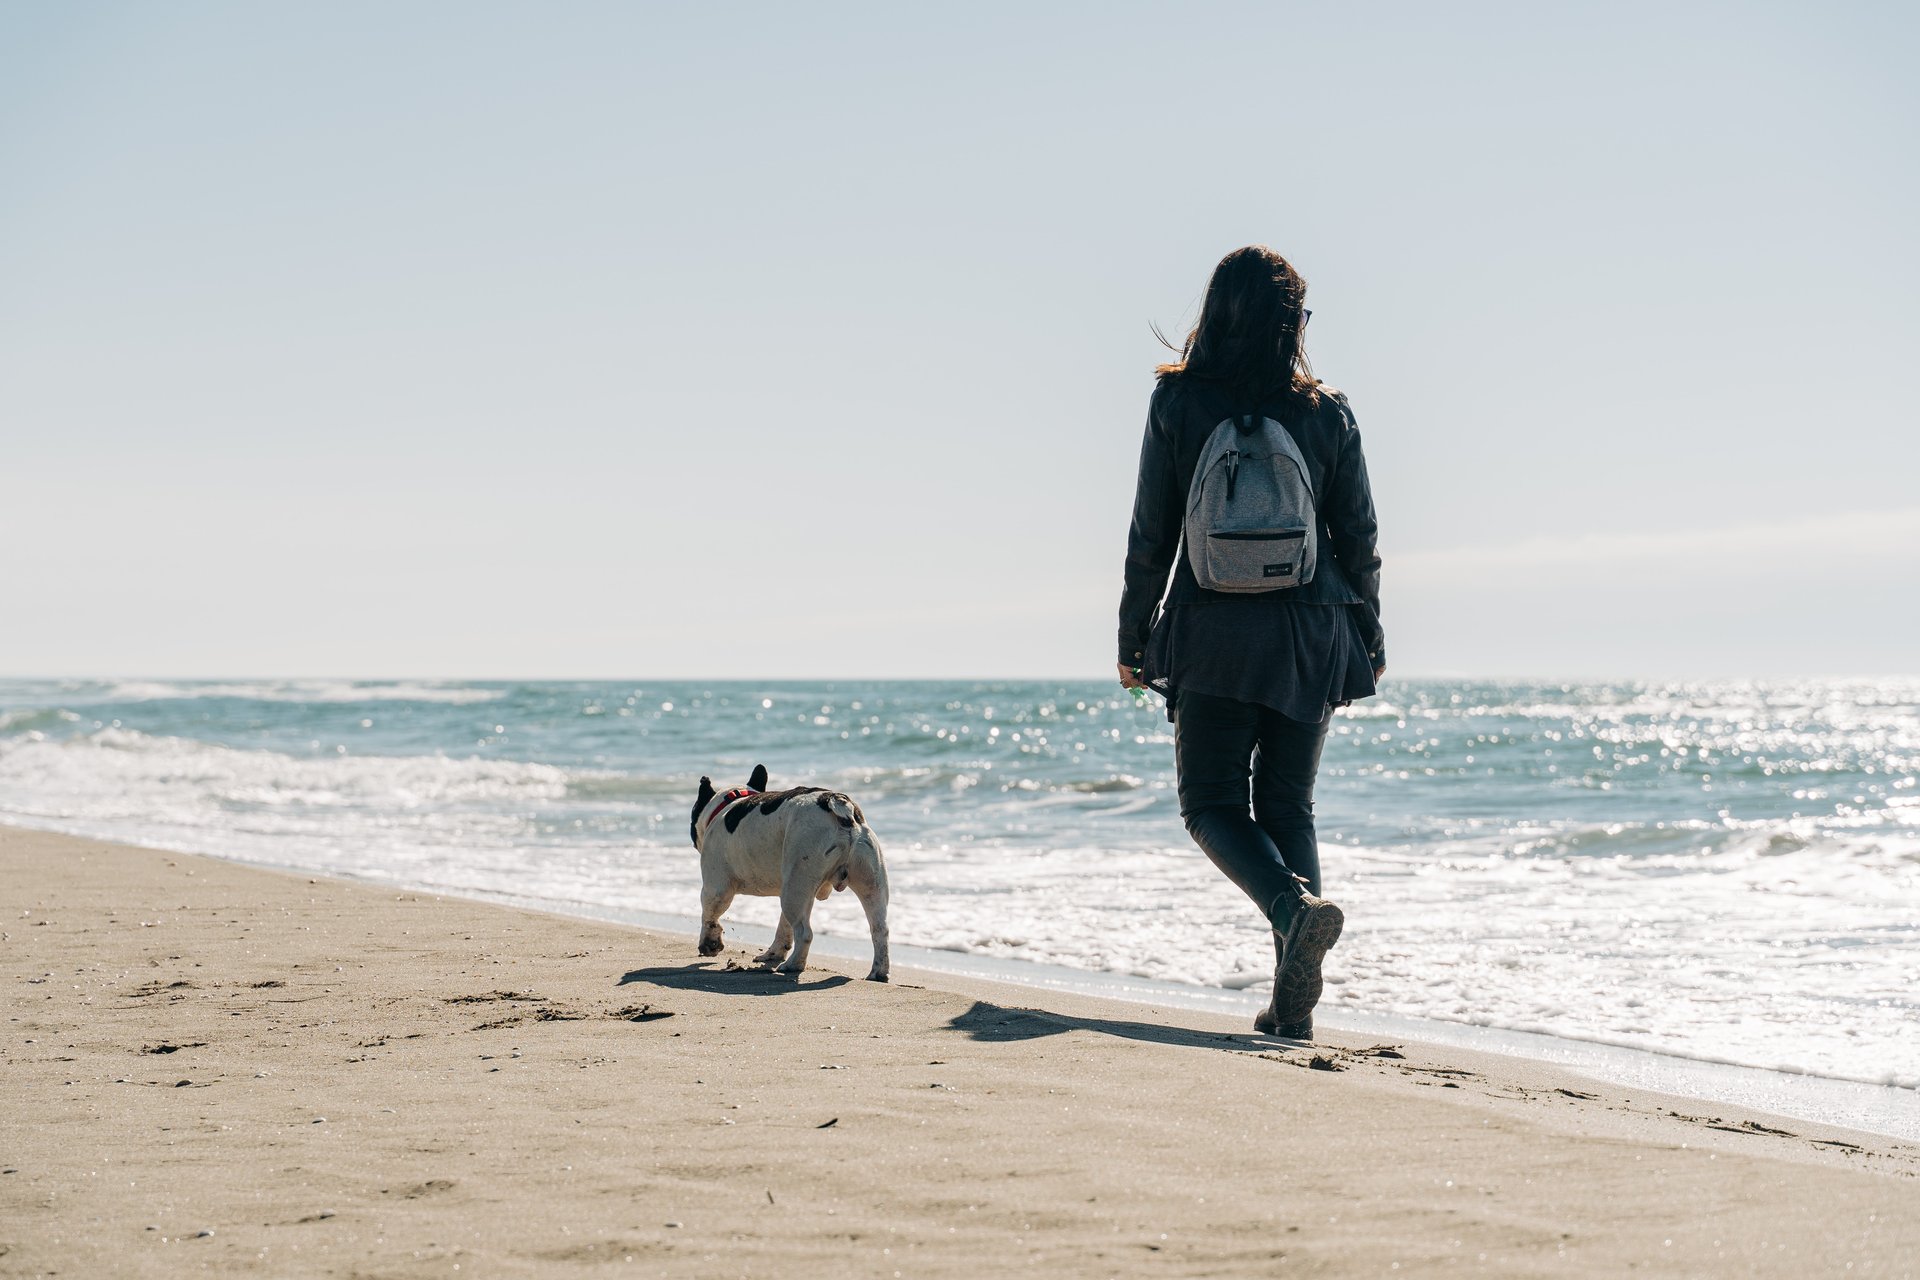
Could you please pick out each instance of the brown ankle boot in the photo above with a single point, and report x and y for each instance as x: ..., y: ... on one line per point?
x: 1297, y: 984
x: 1264, y: 1022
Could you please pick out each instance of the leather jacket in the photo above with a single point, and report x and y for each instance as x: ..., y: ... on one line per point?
x: 1182, y: 414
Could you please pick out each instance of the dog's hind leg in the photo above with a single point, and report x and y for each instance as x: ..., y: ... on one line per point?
x: 713, y: 904
x: 869, y: 884
x: 796, y: 912
x: 777, y: 950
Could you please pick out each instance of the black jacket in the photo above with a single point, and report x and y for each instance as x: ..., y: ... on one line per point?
x: 1182, y: 414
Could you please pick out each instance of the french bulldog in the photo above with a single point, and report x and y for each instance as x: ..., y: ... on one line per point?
x: 800, y: 844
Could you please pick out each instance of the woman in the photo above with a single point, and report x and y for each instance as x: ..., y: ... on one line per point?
x: 1252, y: 676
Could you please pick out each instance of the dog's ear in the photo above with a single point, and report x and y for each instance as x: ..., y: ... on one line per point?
x: 759, y: 779
x: 699, y: 803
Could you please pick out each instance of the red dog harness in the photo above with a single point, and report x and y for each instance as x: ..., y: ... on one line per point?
x: 738, y: 793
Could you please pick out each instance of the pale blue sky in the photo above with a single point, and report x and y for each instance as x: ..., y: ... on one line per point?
x: 708, y: 340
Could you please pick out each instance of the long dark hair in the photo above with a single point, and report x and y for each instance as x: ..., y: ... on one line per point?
x: 1247, y: 340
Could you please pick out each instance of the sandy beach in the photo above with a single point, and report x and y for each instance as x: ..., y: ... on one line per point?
x: 217, y: 1068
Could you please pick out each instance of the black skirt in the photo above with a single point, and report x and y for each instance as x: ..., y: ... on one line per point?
x: 1297, y: 658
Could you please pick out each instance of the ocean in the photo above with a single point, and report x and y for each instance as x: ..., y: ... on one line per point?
x: 1722, y: 871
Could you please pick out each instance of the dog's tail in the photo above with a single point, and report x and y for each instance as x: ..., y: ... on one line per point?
x: 843, y: 810
x: 846, y: 811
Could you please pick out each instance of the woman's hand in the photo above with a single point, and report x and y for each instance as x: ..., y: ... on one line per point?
x: 1378, y: 672
x: 1128, y: 678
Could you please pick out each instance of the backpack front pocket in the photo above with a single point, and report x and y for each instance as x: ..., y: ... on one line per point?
x: 1255, y: 559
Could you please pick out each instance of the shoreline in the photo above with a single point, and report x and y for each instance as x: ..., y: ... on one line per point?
x: 1885, y: 1110
x: 217, y: 1065
x: 1875, y: 1107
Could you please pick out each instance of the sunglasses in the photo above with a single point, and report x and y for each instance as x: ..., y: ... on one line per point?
x: 1306, y: 314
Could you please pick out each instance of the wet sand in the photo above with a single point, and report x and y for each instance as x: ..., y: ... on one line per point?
x: 211, y: 1067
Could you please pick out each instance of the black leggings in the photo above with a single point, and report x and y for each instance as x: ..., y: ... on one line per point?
x: 1221, y: 745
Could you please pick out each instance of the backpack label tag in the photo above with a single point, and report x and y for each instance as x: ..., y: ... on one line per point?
x: 1277, y: 570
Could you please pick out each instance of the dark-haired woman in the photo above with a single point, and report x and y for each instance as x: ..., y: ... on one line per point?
x: 1251, y: 677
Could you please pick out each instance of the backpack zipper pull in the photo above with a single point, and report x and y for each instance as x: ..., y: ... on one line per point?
x: 1233, y: 471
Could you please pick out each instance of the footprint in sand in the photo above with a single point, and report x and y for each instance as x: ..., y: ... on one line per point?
x: 431, y: 1187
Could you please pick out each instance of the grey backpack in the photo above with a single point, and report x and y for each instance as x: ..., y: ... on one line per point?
x: 1251, y: 518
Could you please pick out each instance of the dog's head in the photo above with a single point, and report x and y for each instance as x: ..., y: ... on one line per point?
x: 757, y: 781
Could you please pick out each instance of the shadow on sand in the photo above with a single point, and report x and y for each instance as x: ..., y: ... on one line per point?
x: 732, y: 982
x: 994, y: 1022
x: 984, y: 1021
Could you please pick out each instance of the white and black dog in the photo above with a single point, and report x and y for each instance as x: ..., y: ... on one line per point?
x: 799, y: 844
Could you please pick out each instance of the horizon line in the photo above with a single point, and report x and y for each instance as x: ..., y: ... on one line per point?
x: 1588, y: 677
